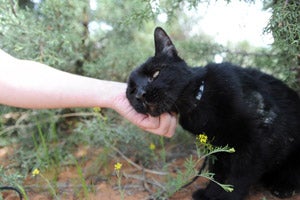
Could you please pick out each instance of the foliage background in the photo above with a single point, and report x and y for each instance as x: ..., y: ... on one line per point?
x: 59, y: 33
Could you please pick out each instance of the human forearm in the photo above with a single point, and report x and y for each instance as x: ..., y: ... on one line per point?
x: 29, y: 84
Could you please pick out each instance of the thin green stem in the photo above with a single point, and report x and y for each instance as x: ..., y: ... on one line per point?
x: 50, y: 186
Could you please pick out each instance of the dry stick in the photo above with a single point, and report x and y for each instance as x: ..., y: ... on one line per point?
x: 25, y: 116
x: 145, y: 180
x: 136, y: 165
x: 145, y: 185
x: 141, y: 178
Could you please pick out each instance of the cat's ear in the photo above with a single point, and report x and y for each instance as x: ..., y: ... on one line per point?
x: 163, y: 43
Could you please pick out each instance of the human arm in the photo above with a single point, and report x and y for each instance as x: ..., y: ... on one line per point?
x: 29, y: 84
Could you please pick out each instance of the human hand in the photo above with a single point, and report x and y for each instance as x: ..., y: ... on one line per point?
x: 164, y: 125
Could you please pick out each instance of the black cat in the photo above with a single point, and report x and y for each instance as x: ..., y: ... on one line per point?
x: 244, y: 108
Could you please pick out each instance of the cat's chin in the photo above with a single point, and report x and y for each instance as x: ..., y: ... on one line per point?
x: 154, y: 114
x: 152, y: 110
x: 156, y: 110
x: 147, y: 109
x: 157, y: 113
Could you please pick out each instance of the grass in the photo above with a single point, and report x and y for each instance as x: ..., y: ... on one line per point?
x: 76, y: 149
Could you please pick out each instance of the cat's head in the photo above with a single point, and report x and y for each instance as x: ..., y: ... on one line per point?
x: 155, y: 86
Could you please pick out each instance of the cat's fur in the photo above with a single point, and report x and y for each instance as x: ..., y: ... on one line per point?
x: 244, y: 108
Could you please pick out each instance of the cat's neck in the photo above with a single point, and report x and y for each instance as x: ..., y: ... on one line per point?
x: 193, y: 91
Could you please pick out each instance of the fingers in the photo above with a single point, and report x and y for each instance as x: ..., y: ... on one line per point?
x: 143, y: 121
x: 167, y: 125
x: 163, y: 125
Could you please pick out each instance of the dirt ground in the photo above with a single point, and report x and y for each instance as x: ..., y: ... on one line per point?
x: 134, y: 190
x: 137, y: 184
x: 106, y: 191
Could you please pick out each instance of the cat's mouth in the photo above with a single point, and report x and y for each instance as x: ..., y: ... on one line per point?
x: 151, y: 108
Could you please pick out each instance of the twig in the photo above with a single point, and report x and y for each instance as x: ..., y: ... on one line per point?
x: 80, y: 114
x: 136, y: 165
x: 244, y: 53
x: 142, y: 178
x: 13, y: 8
x: 26, y: 115
x: 145, y: 185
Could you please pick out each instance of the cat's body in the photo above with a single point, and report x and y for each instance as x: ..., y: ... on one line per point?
x: 246, y: 109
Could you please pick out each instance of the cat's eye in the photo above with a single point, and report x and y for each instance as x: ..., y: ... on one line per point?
x: 154, y: 76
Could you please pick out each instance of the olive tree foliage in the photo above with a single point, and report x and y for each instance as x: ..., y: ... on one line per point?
x: 61, y: 34
x: 285, y: 27
x: 282, y: 60
x: 112, y: 37
x: 44, y: 32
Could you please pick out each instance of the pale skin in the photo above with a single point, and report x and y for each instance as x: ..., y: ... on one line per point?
x: 33, y: 85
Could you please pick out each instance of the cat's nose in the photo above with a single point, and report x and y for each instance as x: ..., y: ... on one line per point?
x: 140, y: 94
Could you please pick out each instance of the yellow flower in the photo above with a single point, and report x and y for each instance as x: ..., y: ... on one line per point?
x: 202, y: 138
x: 96, y: 109
x: 35, y: 172
x: 152, y: 146
x: 118, y: 166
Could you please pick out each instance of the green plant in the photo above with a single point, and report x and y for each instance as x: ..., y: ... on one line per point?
x: 13, y: 179
x: 191, y: 165
x: 118, y: 167
x: 36, y: 172
x: 82, y: 180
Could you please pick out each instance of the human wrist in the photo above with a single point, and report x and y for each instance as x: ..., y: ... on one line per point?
x: 112, y: 93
